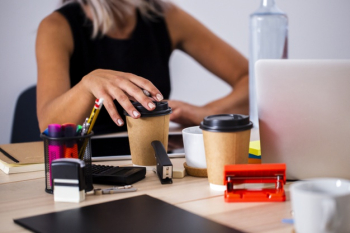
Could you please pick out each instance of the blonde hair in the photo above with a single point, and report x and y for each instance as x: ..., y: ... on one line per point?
x: 106, y: 13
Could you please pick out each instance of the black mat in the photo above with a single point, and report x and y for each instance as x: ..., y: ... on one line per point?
x: 136, y: 214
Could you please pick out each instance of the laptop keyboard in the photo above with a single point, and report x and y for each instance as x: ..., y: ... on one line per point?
x: 114, y: 175
x: 98, y: 169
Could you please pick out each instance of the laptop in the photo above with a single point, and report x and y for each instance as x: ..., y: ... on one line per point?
x: 304, y: 116
x: 116, y: 146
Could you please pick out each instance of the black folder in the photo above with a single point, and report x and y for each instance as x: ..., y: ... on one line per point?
x: 135, y: 214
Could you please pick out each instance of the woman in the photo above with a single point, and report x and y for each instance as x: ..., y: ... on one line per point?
x: 115, y: 49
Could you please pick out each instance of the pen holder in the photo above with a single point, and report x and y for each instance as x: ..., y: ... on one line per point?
x: 67, y: 147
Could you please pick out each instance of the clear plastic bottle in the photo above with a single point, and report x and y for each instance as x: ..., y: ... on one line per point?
x: 268, y: 40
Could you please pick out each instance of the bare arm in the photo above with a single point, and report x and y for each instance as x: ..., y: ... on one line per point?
x: 57, y: 102
x: 217, y: 56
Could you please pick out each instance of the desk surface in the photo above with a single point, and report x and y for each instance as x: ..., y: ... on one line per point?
x: 23, y: 195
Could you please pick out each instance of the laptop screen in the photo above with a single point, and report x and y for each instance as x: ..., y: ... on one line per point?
x: 115, y: 147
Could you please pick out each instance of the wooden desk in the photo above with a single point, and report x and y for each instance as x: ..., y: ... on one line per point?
x: 23, y: 195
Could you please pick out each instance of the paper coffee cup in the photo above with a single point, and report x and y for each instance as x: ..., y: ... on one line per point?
x: 151, y: 126
x: 226, y: 141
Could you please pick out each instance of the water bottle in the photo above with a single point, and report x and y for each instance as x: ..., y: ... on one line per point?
x: 268, y: 40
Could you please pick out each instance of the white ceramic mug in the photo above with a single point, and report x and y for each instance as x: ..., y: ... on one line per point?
x: 321, y: 205
x: 194, y: 147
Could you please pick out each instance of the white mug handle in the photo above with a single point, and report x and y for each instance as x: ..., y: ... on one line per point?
x: 329, y: 207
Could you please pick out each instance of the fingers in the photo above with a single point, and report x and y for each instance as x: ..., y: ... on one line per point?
x: 174, y: 104
x: 124, y: 101
x: 183, y: 113
x: 146, y: 93
x: 138, y: 94
x: 112, y: 111
x: 123, y: 87
x: 176, y: 116
x: 147, y: 86
x: 149, y: 95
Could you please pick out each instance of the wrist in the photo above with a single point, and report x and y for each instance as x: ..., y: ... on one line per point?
x: 85, y: 87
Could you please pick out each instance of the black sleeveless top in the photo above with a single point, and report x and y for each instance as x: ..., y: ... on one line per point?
x: 145, y: 54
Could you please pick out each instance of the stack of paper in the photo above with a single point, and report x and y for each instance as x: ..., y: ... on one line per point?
x: 254, y: 152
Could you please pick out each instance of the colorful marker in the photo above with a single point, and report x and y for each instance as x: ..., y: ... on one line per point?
x: 79, y: 129
x: 70, y: 146
x: 46, y: 132
x: 55, y: 147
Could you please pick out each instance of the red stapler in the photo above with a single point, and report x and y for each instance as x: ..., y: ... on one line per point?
x: 236, y: 175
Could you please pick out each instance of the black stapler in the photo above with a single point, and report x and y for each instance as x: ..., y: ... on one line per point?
x: 164, y: 165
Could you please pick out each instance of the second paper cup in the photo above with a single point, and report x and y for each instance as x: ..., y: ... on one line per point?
x: 226, y: 141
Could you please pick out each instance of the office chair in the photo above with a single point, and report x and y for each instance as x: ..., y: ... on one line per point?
x: 25, y: 126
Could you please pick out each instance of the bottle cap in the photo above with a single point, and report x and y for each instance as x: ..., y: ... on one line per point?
x: 161, y: 109
x: 226, y: 123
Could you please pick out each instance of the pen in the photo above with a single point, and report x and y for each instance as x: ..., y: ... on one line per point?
x: 114, y: 190
x: 89, y: 124
x: 85, y: 127
x: 121, y: 189
x: 70, y: 147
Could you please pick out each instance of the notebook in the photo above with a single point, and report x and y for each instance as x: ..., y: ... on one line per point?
x: 135, y: 214
x: 304, y: 116
x: 22, y: 157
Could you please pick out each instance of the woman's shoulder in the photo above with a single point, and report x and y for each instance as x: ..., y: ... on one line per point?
x: 60, y: 17
x: 54, y: 22
x: 55, y: 28
x: 176, y: 17
x: 179, y: 23
x: 63, y: 23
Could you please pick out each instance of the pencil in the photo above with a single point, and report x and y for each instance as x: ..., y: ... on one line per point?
x: 94, y: 113
x: 91, y: 121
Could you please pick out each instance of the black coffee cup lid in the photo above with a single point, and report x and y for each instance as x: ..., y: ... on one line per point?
x: 161, y: 109
x: 226, y: 123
